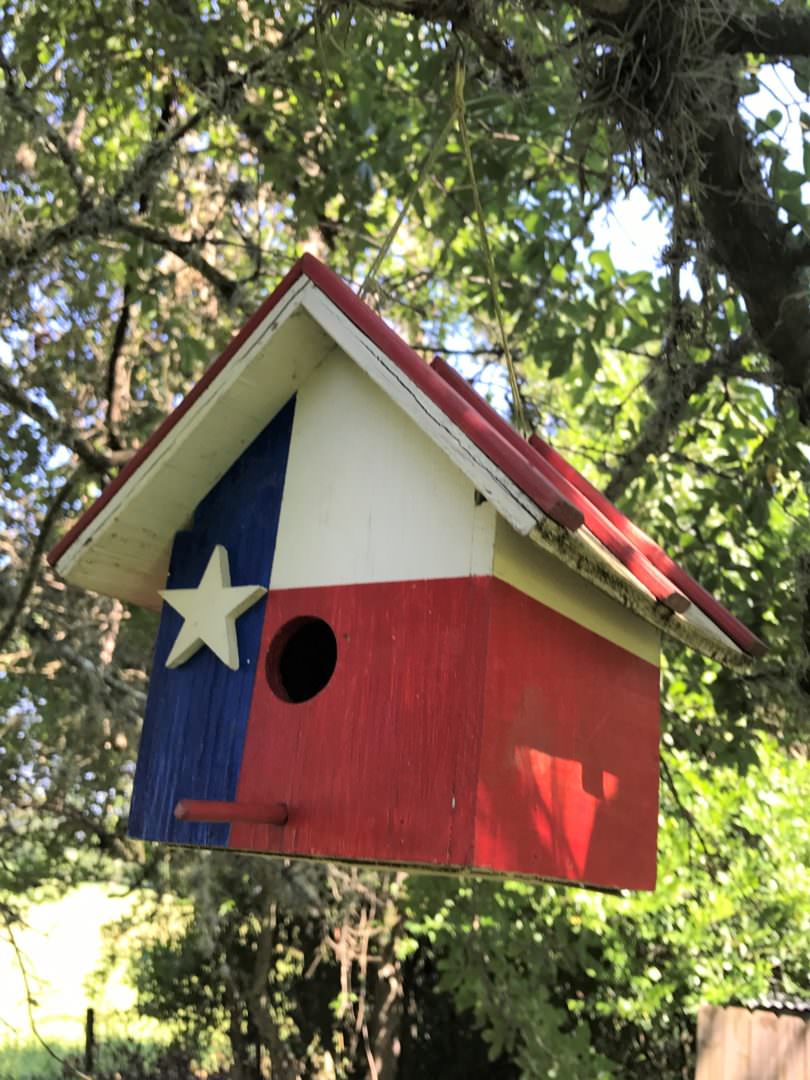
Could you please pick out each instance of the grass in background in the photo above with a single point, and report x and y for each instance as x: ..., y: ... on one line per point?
x: 62, y: 948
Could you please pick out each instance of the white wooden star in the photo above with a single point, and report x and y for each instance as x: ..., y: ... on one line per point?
x: 210, y: 612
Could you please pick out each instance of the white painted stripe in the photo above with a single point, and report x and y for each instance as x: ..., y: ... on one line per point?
x: 368, y: 497
x: 505, y: 496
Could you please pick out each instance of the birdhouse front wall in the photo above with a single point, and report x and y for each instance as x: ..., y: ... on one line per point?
x: 368, y: 497
x: 340, y: 488
x: 485, y: 707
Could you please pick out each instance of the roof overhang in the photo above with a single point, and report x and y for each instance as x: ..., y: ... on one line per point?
x: 122, y: 544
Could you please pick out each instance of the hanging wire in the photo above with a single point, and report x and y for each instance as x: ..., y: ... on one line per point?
x: 457, y: 115
x: 460, y: 112
x: 427, y: 163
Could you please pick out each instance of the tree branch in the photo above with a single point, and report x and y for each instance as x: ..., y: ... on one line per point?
x: 113, y: 418
x: 465, y: 17
x: 677, y: 386
x: 754, y: 247
x: 59, y: 430
x: 775, y: 33
x: 104, y: 219
x: 669, y: 780
x: 29, y: 999
x: 106, y: 215
x: 33, y: 567
x: 16, y: 258
x: 154, y: 155
x: 58, y: 143
x: 184, y: 249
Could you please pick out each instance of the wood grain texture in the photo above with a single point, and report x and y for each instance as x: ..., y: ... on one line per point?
x: 763, y: 1039
x: 568, y: 782
x: 380, y: 765
x: 368, y: 496
x: 211, y: 810
x: 416, y: 371
x: 196, y: 715
x: 791, y: 1047
x: 742, y: 1044
x: 210, y: 611
x: 709, y: 1043
x: 737, y: 1025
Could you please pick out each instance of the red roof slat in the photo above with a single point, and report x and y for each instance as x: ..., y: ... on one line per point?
x: 728, y: 623
x: 615, y: 542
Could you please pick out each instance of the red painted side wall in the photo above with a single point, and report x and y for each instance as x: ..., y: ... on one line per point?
x: 381, y: 765
x: 466, y: 724
x: 568, y: 784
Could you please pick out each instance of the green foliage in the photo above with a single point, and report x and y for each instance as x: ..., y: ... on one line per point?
x: 602, y: 985
x: 161, y: 166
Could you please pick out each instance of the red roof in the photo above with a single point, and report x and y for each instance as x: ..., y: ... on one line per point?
x: 647, y: 562
x: 561, y: 492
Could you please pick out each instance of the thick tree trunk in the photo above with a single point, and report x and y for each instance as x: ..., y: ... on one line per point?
x: 240, y: 1047
x: 757, y: 250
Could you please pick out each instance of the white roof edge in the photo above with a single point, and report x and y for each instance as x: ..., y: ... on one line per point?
x: 579, y: 550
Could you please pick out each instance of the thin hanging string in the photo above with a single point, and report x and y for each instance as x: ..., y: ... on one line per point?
x: 459, y: 111
x: 427, y: 163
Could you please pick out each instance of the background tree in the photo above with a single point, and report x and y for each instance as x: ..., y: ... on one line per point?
x: 161, y: 166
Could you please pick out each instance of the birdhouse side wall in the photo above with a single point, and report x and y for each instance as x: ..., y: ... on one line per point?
x: 568, y: 782
x: 568, y: 776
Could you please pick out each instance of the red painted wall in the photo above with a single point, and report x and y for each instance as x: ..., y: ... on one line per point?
x: 568, y: 783
x: 465, y: 725
x: 371, y: 766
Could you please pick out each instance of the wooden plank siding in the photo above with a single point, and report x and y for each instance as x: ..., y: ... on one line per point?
x: 741, y: 1044
x: 196, y: 715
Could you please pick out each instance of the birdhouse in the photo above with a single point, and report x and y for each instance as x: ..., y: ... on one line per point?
x: 391, y: 630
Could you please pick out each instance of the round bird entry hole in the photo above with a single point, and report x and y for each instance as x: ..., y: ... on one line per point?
x: 301, y: 659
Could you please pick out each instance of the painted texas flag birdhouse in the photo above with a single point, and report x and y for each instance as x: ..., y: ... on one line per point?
x: 391, y: 630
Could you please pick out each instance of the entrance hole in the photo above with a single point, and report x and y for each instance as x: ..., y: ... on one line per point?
x: 301, y: 659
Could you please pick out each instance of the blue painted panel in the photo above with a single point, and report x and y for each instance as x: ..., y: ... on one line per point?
x: 196, y: 714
